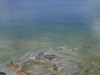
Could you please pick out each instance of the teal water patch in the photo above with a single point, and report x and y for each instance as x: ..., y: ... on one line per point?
x: 19, y: 39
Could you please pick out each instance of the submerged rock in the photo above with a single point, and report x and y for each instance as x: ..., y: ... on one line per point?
x: 2, y: 73
x: 50, y: 57
x: 39, y: 68
x: 45, y: 63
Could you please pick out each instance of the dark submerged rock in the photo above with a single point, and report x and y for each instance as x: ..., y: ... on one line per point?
x: 2, y: 73
x: 50, y: 57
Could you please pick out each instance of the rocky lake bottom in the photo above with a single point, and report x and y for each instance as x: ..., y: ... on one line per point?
x: 28, y: 57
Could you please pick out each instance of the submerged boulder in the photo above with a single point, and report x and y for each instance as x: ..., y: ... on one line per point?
x: 46, y: 63
x: 50, y: 57
x: 2, y: 73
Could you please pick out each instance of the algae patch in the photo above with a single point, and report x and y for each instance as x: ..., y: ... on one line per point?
x: 95, y: 61
x: 89, y: 45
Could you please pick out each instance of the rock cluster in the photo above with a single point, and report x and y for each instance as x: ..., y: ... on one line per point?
x: 45, y: 63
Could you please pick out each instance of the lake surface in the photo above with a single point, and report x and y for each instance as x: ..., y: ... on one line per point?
x: 68, y: 26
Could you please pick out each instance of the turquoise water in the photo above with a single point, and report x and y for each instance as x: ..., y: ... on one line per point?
x: 60, y: 25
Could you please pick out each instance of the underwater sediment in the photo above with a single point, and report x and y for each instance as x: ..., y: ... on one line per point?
x: 48, y: 63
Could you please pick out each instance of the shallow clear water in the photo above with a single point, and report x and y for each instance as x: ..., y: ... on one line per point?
x: 53, y: 25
